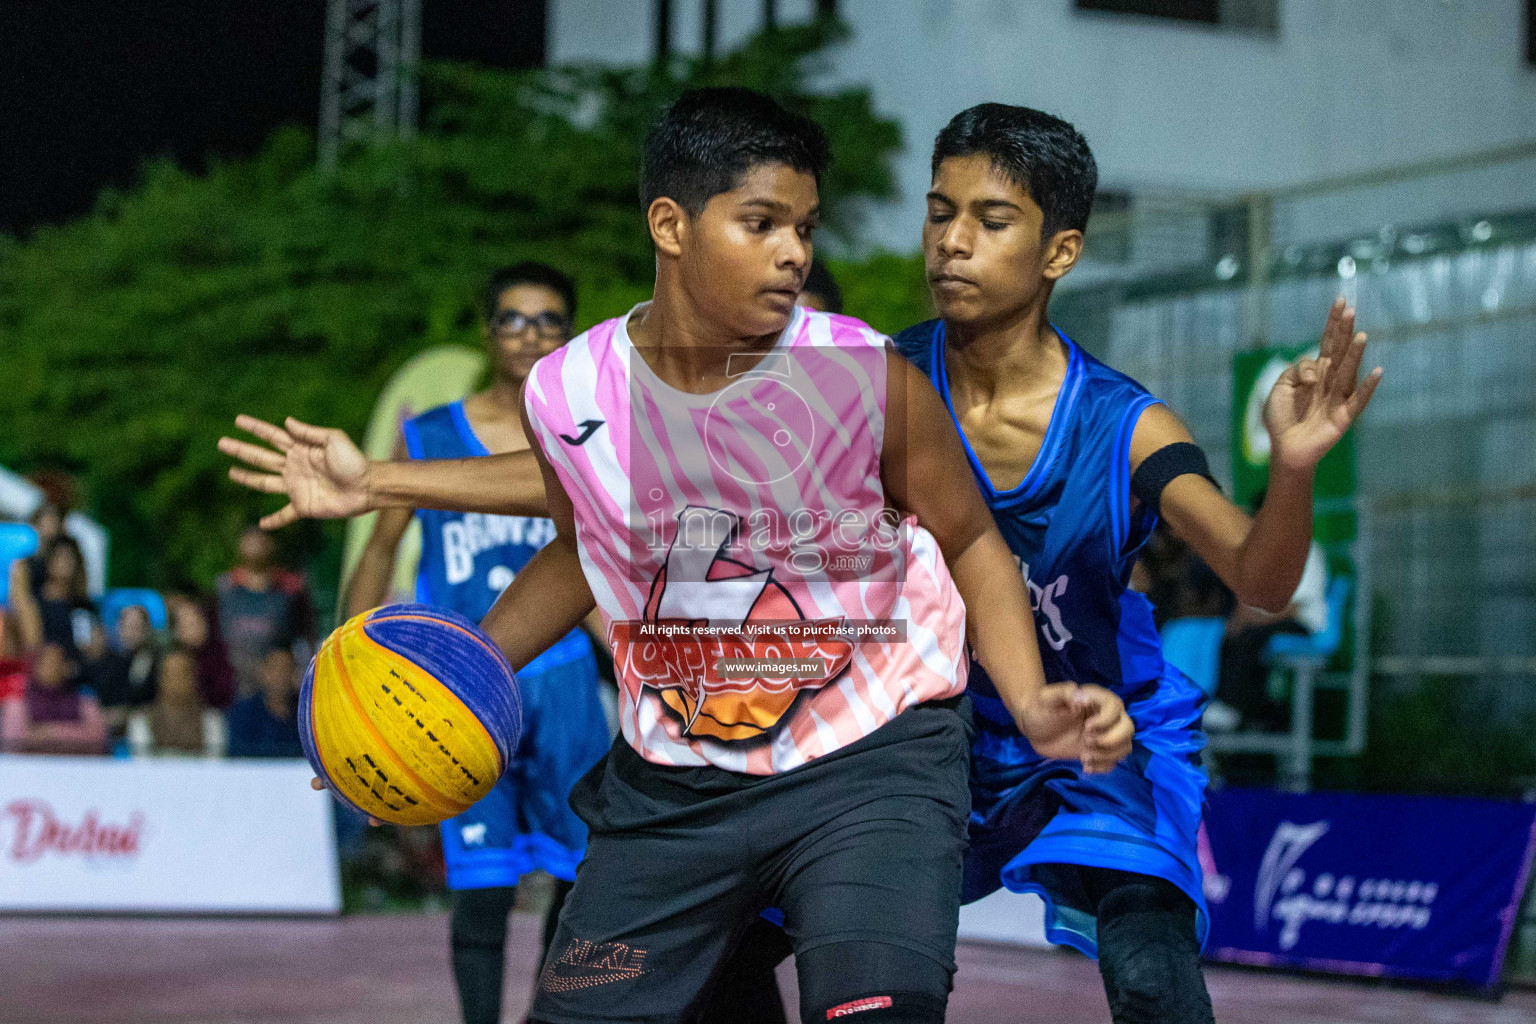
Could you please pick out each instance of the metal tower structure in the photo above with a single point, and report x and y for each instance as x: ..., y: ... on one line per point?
x: 372, y: 48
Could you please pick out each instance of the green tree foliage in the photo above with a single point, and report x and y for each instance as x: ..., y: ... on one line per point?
x: 133, y: 336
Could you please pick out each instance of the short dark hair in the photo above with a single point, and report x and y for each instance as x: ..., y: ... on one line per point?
x: 819, y: 281
x: 527, y: 272
x: 1043, y: 155
x: 708, y: 140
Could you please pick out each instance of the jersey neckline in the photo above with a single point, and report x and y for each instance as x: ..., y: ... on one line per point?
x: 639, y: 367
x: 466, y: 429
x: 1055, y: 431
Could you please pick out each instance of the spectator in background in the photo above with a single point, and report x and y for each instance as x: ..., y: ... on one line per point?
x: 1244, y: 673
x: 177, y: 723
x: 261, y: 606
x: 127, y: 676
x: 59, y: 610
x: 193, y: 633
x: 13, y: 662
x: 47, y: 520
x: 266, y: 724
x: 49, y: 717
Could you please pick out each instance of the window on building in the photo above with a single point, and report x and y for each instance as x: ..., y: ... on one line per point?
x: 1530, y: 31
x: 1260, y: 16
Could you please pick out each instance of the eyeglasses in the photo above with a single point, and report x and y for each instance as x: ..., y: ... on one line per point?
x: 548, y: 324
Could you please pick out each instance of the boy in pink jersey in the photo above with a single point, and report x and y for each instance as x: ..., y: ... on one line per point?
x: 772, y: 511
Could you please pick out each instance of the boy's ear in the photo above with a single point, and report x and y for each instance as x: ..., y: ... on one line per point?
x: 669, y: 224
x: 1062, y: 251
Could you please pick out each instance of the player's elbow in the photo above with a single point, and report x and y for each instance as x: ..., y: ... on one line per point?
x: 1269, y: 595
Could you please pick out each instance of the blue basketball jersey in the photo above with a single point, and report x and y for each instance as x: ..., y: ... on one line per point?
x: 467, y: 558
x: 1070, y: 527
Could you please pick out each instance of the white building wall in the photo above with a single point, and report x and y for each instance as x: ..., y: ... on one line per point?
x: 1345, y: 85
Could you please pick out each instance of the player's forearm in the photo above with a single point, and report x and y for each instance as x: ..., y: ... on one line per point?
x: 544, y: 602
x: 499, y: 484
x: 1272, y: 557
x: 369, y: 585
x: 999, y: 622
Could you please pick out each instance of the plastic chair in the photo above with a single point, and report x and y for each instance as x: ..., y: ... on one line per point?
x: 17, y: 540
x: 1193, y: 646
x: 114, y: 601
x: 1305, y: 655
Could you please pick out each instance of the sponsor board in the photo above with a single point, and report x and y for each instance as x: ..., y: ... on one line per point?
x: 164, y: 836
x: 1412, y: 887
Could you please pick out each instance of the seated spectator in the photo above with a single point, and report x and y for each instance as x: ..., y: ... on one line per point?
x: 49, y: 717
x: 266, y: 724
x: 59, y: 610
x: 1244, y: 673
x: 128, y: 675
x: 177, y: 723
x: 192, y: 631
x: 262, y: 606
x: 13, y: 662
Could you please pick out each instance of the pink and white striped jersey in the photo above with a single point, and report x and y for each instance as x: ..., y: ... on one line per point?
x: 764, y: 605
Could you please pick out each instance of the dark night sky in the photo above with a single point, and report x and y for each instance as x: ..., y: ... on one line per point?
x: 89, y: 90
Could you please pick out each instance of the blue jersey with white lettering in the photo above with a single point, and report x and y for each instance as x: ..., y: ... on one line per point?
x: 1070, y: 526
x: 467, y: 558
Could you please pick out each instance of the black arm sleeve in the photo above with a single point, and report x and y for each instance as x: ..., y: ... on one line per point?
x: 1163, y: 466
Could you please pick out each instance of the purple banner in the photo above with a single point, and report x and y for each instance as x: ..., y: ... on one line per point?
x: 1409, y: 887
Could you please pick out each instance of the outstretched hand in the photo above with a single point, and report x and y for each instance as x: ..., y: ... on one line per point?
x: 323, y: 474
x: 1316, y: 400
x: 1079, y: 722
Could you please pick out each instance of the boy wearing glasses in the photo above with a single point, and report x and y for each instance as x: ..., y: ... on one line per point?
x: 525, y: 822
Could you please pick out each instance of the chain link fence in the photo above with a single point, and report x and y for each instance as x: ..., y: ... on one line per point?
x: 1440, y: 261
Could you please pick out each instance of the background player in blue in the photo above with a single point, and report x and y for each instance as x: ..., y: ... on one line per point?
x: 1078, y: 462
x: 467, y: 560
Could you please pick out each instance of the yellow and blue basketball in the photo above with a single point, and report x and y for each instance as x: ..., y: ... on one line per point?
x: 409, y: 713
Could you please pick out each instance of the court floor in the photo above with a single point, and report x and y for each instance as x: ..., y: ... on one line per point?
x: 394, y: 970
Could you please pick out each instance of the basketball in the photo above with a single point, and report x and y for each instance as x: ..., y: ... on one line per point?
x: 409, y: 713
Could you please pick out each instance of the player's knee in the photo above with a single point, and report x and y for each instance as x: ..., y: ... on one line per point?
x: 871, y: 983
x: 479, y: 916
x: 883, y: 1008
x: 1150, y: 956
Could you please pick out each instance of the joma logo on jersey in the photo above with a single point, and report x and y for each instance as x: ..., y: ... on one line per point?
x: 1043, y: 601
x: 468, y: 536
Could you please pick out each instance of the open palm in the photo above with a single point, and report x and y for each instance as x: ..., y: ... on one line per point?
x: 1315, y: 401
x: 321, y: 471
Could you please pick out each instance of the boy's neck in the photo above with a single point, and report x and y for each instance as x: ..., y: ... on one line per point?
x: 682, y: 344
x: 1019, y: 352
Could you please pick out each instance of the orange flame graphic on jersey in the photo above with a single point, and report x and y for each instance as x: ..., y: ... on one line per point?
x: 705, y: 606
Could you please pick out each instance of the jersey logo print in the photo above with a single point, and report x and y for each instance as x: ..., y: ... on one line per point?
x: 588, y: 427
x: 750, y: 616
x: 1043, y: 601
x: 588, y: 964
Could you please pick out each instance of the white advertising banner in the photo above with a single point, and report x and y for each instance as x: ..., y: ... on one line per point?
x: 165, y: 836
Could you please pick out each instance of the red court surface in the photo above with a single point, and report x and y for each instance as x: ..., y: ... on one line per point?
x: 394, y: 970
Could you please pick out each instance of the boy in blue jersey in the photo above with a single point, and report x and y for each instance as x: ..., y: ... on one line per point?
x: 467, y: 560
x: 1078, y: 462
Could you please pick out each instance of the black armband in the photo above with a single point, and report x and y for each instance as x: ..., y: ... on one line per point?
x: 1165, y: 465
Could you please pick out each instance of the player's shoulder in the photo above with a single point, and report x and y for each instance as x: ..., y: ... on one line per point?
x: 1099, y: 378
x: 588, y: 350
x: 916, y: 343
x: 813, y: 327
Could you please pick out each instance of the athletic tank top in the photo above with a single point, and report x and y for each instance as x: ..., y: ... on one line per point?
x: 748, y: 524
x: 468, y: 558
x: 1070, y: 527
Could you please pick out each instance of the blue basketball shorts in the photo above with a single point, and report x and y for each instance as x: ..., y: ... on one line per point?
x: 525, y: 822
x: 1029, y: 813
